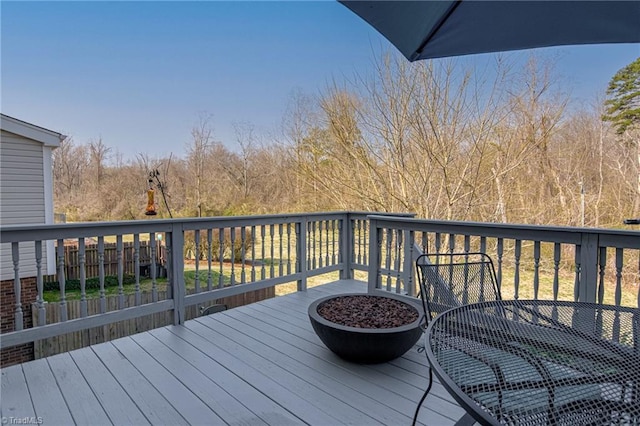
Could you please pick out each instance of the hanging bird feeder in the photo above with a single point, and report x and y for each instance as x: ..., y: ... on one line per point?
x: 151, y: 206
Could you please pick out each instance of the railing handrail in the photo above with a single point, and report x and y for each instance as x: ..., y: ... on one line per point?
x: 628, y: 238
x: 33, y: 232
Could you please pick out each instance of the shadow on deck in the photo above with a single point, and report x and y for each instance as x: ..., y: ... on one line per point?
x: 259, y: 364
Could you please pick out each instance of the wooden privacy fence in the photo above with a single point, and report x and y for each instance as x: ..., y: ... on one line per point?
x: 91, y: 336
x: 92, y: 259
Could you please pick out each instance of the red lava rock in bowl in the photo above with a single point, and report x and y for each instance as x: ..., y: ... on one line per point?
x: 366, y: 328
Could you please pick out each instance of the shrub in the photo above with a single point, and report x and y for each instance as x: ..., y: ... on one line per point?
x: 228, y: 252
x: 90, y: 284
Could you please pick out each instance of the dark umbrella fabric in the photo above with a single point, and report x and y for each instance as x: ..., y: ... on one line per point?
x: 433, y: 29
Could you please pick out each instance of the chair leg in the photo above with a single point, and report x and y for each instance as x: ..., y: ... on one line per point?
x: 424, y: 396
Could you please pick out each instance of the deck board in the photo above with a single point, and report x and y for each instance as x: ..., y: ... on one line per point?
x: 223, y: 404
x: 144, y: 395
x: 259, y: 404
x: 114, y: 399
x: 45, y: 393
x: 83, y: 404
x: 259, y: 364
x: 16, y: 401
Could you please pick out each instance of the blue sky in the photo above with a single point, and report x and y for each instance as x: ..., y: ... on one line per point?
x: 140, y: 74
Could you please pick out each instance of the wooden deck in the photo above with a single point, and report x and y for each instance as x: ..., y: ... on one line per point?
x: 259, y: 364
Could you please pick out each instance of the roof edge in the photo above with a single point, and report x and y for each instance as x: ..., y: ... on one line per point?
x: 31, y: 131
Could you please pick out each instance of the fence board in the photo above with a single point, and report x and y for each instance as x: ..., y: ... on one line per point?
x: 91, y: 336
x: 72, y: 263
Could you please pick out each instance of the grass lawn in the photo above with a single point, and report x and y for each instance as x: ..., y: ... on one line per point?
x: 525, y: 291
x: 145, y: 286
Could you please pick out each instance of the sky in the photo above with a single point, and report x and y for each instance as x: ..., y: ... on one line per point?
x: 140, y: 75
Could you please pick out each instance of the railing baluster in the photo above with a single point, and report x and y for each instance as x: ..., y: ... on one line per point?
x: 327, y: 240
x: 576, y: 283
x: 221, y: 256
x: 389, y: 238
x: 602, y: 261
x: 171, y: 272
x: 83, y: 277
x: 209, y: 259
x: 232, y: 238
x: 319, y: 237
x: 42, y: 317
x: 253, y: 253
x: 500, y: 254
x: 263, y: 271
x: 467, y: 243
x: 103, y: 300
x: 334, y: 230
x: 438, y: 243
x: 619, y: 262
x: 398, y: 258
x: 452, y: 243
x: 556, y: 270
x: 361, y: 238
x: 120, y: 271
x: 61, y: 281
x: 243, y: 254
x: 272, y: 251
x: 536, y: 269
x: 17, y: 286
x: 136, y: 267
x: 152, y: 267
x: 516, y: 274
x: 196, y: 279
x: 280, y: 261
x: 365, y: 244
x: 312, y: 241
x: 288, y: 248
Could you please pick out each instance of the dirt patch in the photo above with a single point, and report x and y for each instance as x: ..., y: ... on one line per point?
x: 367, y: 311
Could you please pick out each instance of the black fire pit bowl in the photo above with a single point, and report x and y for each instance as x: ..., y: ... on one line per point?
x: 366, y: 345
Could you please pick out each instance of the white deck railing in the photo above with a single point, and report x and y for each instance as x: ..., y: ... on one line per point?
x: 559, y: 263
x: 242, y: 254
x: 236, y: 255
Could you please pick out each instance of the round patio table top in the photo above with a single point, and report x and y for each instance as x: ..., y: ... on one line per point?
x: 540, y: 362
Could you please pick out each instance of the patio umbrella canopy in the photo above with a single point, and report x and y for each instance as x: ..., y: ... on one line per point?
x: 434, y: 29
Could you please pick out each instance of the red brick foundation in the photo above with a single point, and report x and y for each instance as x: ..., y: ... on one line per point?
x: 20, y: 353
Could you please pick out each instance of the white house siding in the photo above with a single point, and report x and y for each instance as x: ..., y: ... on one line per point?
x: 22, y: 198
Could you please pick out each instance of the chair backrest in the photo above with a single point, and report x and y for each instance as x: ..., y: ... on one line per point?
x: 455, y: 279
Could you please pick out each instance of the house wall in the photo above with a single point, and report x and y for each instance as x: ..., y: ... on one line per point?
x: 24, y: 175
x: 20, y: 353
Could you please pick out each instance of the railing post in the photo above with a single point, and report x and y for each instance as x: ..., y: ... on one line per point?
x: 374, y: 256
x: 588, y: 267
x: 301, y: 253
x: 346, y: 248
x: 175, y: 243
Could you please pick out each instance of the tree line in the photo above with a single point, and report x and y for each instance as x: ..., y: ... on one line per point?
x: 435, y: 138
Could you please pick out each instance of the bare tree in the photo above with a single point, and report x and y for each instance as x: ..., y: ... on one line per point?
x: 98, y: 155
x: 245, y: 173
x: 197, y: 158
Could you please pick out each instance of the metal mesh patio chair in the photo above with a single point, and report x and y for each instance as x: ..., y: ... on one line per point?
x: 450, y: 280
x: 455, y: 279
